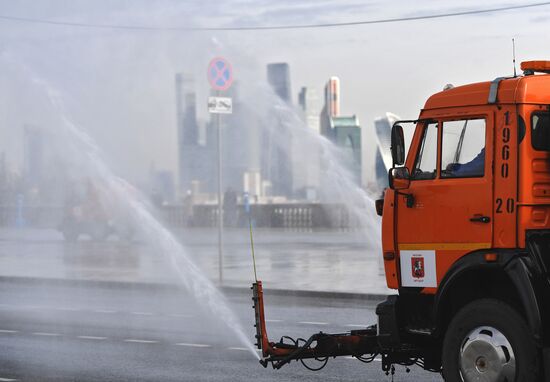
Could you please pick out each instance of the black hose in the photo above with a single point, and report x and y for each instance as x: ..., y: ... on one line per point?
x: 323, y: 360
x: 296, y: 353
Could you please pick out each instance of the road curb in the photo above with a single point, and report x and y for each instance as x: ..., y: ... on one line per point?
x: 109, y: 284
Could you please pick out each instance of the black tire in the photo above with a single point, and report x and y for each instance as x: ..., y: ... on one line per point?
x: 498, y: 315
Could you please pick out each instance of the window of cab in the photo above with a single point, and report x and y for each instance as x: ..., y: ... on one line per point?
x: 426, y: 158
x: 540, y: 131
x: 463, y: 148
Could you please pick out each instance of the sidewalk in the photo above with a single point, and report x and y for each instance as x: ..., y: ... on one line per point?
x: 330, y: 261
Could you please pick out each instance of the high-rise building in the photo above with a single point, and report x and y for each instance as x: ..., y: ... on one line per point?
x: 346, y: 134
x: 276, y: 167
x: 309, y: 103
x: 193, y: 161
x: 240, y: 145
x: 306, y: 173
x: 278, y: 76
x: 186, y: 105
x: 332, y: 96
x: 343, y: 131
x: 331, y: 108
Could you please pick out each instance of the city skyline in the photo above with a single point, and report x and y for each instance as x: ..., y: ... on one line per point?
x: 123, y: 80
x: 197, y: 141
x: 277, y: 170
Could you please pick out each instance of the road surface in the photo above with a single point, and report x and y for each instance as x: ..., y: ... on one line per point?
x: 67, y: 331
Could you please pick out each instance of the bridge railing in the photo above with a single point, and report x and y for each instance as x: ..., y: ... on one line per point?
x: 281, y: 215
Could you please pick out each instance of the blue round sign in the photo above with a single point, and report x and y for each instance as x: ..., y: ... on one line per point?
x: 220, y: 74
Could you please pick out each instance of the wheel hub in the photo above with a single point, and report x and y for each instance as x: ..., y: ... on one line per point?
x: 486, y: 355
x: 481, y: 364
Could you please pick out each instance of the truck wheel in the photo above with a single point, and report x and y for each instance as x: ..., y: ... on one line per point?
x: 489, y: 341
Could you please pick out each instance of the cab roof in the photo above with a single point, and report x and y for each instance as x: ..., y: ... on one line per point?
x: 524, y: 89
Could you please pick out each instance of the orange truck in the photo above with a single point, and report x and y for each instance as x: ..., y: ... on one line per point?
x: 465, y: 238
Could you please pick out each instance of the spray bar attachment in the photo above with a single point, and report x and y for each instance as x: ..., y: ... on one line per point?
x: 361, y: 344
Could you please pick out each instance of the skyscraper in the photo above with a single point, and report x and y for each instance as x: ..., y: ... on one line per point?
x: 332, y: 96
x: 346, y: 134
x: 186, y: 106
x: 192, y: 156
x: 331, y: 107
x: 240, y: 145
x: 278, y: 76
x: 309, y: 103
x: 277, y: 159
x: 306, y: 173
x: 343, y: 131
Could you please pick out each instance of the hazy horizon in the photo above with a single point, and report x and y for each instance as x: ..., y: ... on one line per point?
x: 119, y: 84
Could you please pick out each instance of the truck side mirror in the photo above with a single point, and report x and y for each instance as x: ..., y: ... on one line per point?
x: 397, y: 145
x: 399, y: 178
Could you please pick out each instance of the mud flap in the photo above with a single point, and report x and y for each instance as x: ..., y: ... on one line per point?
x: 388, y: 330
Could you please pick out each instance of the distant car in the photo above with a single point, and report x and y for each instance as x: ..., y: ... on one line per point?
x: 77, y: 221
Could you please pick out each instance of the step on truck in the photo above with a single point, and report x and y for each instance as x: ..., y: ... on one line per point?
x: 465, y: 238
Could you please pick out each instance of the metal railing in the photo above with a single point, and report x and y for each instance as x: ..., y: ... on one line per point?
x: 287, y: 215
x: 307, y: 216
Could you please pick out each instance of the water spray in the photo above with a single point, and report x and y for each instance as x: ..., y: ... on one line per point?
x: 81, y: 155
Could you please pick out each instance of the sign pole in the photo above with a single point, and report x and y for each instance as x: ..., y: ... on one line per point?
x: 220, y: 200
x: 220, y: 76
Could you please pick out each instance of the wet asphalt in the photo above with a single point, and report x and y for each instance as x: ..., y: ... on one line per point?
x: 80, y: 332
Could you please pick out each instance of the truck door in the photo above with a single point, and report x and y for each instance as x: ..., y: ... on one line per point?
x: 452, y: 189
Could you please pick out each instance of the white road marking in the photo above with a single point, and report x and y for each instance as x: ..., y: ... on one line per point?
x: 46, y: 334
x: 140, y: 341
x: 103, y: 311
x: 313, y: 323
x: 91, y: 338
x: 193, y: 345
x: 7, y: 379
x: 273, y: 320
x: 68, y: 309
x: 8, y: 331
x: 142, y: 313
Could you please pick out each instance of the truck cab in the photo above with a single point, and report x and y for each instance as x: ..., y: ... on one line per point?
x: 466, y: 228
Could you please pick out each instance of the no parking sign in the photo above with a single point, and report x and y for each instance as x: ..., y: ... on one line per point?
x: 220, y: 74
